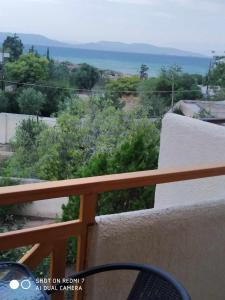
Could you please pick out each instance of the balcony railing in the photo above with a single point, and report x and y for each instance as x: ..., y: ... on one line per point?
x: 52, y: 239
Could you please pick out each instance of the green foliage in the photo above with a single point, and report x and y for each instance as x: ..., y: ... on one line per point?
x: 12, y: 255
x: 28, y: 68
x: 59, y: 72
x: 217, y: 75
x: 48, y: 54
x: 82, y: 132
x: 116, y: 89
x: 31, y: 101
x: 14, y: 46
x: 219, y: 94
x: 156, y: 93
x: 6, y: 212
x: 85, y: 77
x: 144, y: 72
x: 137, y: 151
x: 54, y: 98
x: 73, y: 105
x: 123, y: 86
x: 31, y: 50
x: 23, y: 162
x: 155, y: 104
x: 4, y: 102
x: 12, y: 105
x: 92, y: 138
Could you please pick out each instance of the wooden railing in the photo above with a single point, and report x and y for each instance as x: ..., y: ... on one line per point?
x: 52, y: 239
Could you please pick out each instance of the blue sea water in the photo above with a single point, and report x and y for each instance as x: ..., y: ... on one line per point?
x: 127, y: 62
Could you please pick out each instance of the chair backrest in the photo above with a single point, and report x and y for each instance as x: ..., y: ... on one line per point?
x: 151, y: 283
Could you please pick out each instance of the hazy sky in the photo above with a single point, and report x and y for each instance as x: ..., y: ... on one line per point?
x: 196, y: 25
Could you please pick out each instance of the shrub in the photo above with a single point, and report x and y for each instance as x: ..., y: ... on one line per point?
x: 6, y: 212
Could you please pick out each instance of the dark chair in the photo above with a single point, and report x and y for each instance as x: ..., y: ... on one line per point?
x: 18, y: 283
x: 151, y: 283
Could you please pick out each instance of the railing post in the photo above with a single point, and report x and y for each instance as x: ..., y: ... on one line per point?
x: 88, y: 203
x: 58, y: 265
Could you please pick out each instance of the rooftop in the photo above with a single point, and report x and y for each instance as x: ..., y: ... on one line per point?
x: 211, y: 111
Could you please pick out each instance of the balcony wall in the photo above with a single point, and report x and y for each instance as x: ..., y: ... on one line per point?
x: 49, y: 208
x: 187, y: 142
x: 9, y: 123
x: 188, y: 242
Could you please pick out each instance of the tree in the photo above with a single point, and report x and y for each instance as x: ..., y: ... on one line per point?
x: 28, y: 68
x: 14, y: 46
x: 90, y: 139
x: 156, y: 94
x: 137, y: 151
x: 85, y: 77
x: 31, y: 50
x: 59, y: 73
x: 152, y: 96
x: 4, y: 102
x: 217, y: 75
x: 31, y: 101
x: 115, y: 90
x: 144, y: 72
x: 48, y: 54
x: 24, y: 145
x: 54, y: 97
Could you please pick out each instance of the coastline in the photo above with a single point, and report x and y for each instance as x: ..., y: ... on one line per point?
x: 126, y: 63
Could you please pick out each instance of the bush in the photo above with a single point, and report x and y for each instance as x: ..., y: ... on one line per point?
x: 4, y: 102
x: 24, y: 145
x: 85, y: 77
x: 31, y: 101
x: 138, y: 152
x: 6, y: 212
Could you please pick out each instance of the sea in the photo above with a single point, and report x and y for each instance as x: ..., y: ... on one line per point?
x: 128, y: 63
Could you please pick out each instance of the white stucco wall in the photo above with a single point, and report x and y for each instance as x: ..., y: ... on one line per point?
x: 49, y: 208
x: 187, y: 142
x: 188, y: 242
x: 9, y: 123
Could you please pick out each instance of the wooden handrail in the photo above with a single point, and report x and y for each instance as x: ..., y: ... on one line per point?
x: 98, y: 184
x: 53, y: 238
x: 40, y: 234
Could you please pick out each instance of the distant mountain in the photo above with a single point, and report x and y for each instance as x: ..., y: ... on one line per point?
x: 34, y: 39
x: 40, y: 40
x: 135, y: 48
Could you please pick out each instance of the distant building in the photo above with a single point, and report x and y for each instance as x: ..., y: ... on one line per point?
x: 210, y: 111
x: 218, y: 59
x: 208, y: 91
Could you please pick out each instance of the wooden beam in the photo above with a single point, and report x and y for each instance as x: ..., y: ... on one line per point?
x: 88, y: 203
x: 35, y: 255
x: 40, y: 234
x: 87, y: 217
x: 39, y: 191
x: 58, y: 265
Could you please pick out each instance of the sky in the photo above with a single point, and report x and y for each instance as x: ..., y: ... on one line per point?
x: 194, y: 25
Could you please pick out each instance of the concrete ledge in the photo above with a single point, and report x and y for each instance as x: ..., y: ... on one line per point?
x: 188, y: 242
x: 187, y: 142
